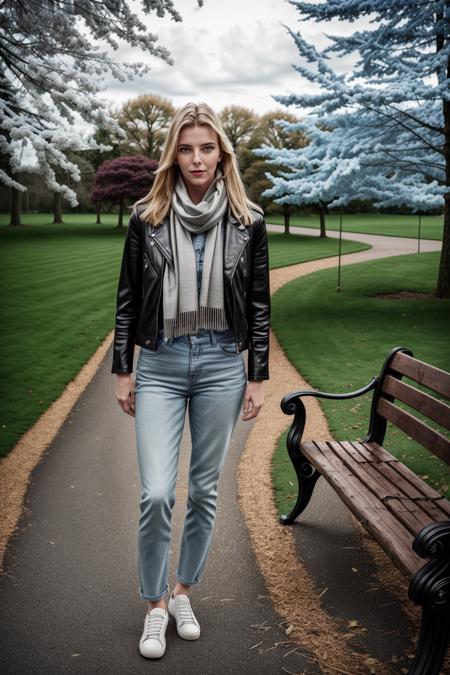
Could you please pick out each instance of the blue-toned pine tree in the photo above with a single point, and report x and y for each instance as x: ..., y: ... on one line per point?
x: 383, y: 130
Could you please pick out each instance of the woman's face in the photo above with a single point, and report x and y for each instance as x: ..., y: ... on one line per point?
x: 197, y: 155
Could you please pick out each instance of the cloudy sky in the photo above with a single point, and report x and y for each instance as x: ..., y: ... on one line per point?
x: 227, y: 52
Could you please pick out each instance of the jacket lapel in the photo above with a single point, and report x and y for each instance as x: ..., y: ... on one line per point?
x: 235, y: 239
x: 161, y: 236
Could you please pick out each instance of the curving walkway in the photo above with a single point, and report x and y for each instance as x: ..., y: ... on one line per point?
x: 69, y: 587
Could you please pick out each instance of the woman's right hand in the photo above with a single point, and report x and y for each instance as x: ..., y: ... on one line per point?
x: 125, y: 393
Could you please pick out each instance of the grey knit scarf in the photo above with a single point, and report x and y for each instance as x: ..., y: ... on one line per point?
x: 184, y: 311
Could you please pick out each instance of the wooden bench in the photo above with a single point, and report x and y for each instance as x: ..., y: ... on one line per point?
x: 409, y: 519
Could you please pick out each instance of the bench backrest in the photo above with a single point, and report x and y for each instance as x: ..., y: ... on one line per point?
x: 399, y: 363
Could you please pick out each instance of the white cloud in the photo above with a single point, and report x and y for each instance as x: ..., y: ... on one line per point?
x: 234, y: 52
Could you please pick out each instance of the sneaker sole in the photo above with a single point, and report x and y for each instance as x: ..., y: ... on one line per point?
x: 152, y: 655
x: 189, y: 637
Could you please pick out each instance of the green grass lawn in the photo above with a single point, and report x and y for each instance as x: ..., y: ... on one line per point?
x: 59, y: 287
x: 373, y: 223
x: 338, y: 342
x: 284, y: 249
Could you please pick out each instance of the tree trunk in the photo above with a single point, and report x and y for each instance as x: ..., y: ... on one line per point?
x: 120, y: 223
x: 15, y: 207
x: 443, y: 283
x: 26, y: 197
x: 57, y: 208
x: 286, y: 212
x: 98, y: 210
x: 322, y: 211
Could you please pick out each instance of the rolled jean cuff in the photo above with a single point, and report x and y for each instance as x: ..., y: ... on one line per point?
x: 153, y: 597
x: 185, y: 582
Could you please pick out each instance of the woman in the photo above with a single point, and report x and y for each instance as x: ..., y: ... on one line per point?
x: 194, y: 294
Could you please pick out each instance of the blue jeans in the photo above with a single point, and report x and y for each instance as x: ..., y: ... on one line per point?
x: 206, y: 370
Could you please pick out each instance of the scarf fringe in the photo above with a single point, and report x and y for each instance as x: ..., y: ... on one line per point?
x: 210, y: 318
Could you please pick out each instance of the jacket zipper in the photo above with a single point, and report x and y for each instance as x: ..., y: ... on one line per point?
x: 161, y: 248
x: 238, y: 257
x: 159, y: 301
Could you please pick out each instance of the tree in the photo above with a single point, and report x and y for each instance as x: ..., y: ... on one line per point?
x: 145, y: 121
x: 51, y: 69
x: 279, y: 136
x: 301, y: 175
x: 274, y: 134
x: 123, y: 178
x: 239, y: 123
x: 398, y: 92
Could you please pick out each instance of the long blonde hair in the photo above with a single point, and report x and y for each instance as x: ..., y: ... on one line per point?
x: 158, y: 200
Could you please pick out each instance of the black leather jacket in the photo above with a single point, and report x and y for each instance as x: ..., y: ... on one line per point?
x: 148, y: 249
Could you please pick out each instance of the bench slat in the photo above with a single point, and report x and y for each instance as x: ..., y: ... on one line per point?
x: 392, y: 535
x: 434, y: 378
x: 421, y: 432
x: 422, y: 487
x: 370, y: 475
x: 424, y: 403
x: 399, y: 473
x: 377, y: 481
x: 434, y: 506
x: 371, y: 452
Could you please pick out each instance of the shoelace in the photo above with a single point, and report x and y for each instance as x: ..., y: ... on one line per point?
x: 185, y: 610
x: 154, y: 623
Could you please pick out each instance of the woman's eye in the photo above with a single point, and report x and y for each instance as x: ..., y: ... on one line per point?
x: 208, y: 148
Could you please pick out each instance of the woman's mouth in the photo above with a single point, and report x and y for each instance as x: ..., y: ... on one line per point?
x: 198, y: 173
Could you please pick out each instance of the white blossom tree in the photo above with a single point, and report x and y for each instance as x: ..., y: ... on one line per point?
x: 388, y: 120
x: 51, y: 68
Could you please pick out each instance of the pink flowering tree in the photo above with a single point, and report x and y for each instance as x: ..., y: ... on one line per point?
x: 122, y: 179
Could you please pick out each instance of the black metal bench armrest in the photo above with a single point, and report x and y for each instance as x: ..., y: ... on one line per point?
x: 290, y: 401
x: 292, y: 404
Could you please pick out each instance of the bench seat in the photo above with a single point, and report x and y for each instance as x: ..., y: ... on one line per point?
x: 389, y: 499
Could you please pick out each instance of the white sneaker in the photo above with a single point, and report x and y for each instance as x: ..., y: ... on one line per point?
x: 152, y: 644
x: 187, y: 625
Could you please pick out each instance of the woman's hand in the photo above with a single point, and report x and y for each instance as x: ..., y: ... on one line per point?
x: 125, y: 393
x: 253, y: 400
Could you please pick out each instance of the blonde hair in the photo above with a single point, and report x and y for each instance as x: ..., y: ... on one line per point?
x: 158, y: 200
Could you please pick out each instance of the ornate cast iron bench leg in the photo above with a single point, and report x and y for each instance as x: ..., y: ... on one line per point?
x: 307, y: 475
x: 430, y: 588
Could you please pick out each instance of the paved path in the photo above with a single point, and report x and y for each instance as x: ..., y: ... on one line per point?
x: 69, y: 593
x: 382, y: 247
x: 69, y: 600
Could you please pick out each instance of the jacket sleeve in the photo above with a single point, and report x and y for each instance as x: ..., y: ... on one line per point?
x: 259, y: 306
x: 128, y: 299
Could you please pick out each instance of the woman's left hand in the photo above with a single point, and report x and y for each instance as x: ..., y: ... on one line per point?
x: 253, y: 400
